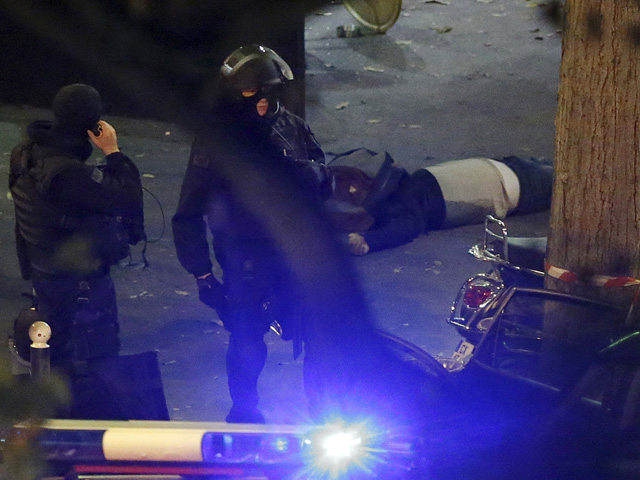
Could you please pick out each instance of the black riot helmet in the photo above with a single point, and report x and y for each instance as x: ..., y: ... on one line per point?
x: 254, y: 67
x: 257, y: 69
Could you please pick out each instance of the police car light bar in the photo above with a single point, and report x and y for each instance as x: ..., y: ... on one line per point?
x: 159, y: 441
x: 93, y: 447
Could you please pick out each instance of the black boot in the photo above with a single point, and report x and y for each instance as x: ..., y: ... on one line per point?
x: 245, y: 360
x: 240, y: 415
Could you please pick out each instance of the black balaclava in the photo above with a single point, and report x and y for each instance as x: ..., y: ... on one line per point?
x: 77, y: 108
x: 254, y: 67
x: 270, y: 92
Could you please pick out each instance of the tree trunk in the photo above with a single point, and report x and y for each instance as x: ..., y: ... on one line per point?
x: 595, y: 229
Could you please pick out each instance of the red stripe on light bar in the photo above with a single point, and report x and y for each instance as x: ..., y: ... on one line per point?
x: 160, y: 470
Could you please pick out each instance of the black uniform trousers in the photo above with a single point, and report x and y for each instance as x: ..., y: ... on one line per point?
x: 258, y: 286
x: 82, y: 314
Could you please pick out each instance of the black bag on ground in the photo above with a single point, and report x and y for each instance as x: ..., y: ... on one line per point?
x: 126, y: 387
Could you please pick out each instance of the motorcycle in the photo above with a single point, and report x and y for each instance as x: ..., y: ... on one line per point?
x: 513, y: 261
x: 569, y: 365
x: 543, y: 383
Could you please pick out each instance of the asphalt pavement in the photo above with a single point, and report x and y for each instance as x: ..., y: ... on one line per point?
x: 451, y: 79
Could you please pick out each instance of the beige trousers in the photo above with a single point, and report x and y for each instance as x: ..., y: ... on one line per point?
x: 474, y: 188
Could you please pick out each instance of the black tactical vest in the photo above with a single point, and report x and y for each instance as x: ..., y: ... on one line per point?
x: 39, y: 221
x: 58, y: 243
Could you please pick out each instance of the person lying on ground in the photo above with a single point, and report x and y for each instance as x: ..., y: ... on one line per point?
x: 377, y: 205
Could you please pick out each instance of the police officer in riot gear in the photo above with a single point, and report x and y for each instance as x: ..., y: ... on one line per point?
x: 252, y: 79
x: 250, y: 132
x: 73, y: 222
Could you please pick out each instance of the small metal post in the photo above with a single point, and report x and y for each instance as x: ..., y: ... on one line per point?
x: 40, y: 355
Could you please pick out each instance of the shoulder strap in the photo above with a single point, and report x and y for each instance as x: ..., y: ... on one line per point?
x: 335, y: 157
x: 385, y: 183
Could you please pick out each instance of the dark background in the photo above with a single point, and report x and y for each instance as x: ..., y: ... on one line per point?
x: 51, y: 43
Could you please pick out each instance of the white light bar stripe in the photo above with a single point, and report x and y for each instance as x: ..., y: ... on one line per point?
x: 168, y: 445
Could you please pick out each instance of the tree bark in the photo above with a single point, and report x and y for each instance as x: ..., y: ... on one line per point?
x: 595, y: 229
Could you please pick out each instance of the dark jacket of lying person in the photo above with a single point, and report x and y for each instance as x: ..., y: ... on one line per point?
x: 379, y: 205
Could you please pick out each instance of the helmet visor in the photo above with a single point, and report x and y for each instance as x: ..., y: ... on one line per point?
x: 253, y: 66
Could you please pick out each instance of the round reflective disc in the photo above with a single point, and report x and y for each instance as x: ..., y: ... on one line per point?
x: 378, y: 15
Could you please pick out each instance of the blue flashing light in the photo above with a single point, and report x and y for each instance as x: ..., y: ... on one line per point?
x: 337, y: 449
x: 341, y: 444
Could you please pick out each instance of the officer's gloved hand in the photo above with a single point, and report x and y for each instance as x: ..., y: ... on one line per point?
x: 211, y: 292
